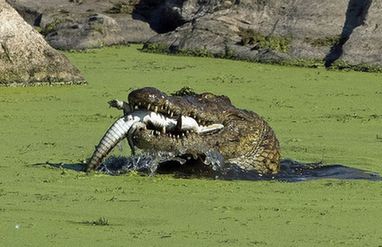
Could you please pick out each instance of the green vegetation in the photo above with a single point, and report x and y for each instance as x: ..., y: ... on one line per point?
x: 201, y: 52
x: 102, y: 221
x: 156, y: 48
x: 363, y: 67
x: 161, y: 48
x: 273, y: 42
x: 325, y: 41
x: 333, y: 116
x: 51, y: 26
x: 338, y: 65
x: 123, y: 8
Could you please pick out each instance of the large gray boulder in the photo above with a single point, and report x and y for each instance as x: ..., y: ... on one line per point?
x: 303, y: 32
x: 84, y: 24
x: 26, y: 58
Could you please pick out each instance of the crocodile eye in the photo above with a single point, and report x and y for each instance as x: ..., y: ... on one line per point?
x: 208, y: 96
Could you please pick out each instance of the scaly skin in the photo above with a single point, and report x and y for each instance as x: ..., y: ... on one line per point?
x: 246, y: 139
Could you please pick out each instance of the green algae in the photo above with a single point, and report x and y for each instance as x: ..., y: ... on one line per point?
x: 323, y: 41
x: 273, y: 42
x: 318, y: 115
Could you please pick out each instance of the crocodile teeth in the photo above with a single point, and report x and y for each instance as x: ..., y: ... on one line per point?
x: 126, y: 126
x: 148, y: 106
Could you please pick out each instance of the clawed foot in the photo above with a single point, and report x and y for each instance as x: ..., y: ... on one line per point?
x: 120, y: 105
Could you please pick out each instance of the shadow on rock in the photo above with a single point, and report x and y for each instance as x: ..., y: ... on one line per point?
x: 356, y: 14
x: 162, y: 16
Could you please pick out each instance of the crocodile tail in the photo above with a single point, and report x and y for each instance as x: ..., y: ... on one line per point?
x: 111, y: 138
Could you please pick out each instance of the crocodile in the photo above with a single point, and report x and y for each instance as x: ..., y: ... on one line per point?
x: 191, y: 124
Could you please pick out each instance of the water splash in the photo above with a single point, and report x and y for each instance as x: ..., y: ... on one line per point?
x: 213, y: 163
x: 146, y: 163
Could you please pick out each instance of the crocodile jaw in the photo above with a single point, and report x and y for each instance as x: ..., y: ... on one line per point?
x: 156, y: 123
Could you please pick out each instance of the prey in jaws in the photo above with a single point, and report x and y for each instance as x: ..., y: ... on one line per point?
x: 191, y: 125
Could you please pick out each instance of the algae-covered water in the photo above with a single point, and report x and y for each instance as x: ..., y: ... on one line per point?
x: 318, y: 115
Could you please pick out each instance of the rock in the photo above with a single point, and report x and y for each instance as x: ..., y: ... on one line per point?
x: 26, y: 58
x: 364, y: 46
x: 97, y: 30
x: 280, y: 31
x: 262, y: 27
x: 307, y: 32
x: 80, y: 24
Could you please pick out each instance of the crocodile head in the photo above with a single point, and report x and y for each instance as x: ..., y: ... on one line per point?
x: 203, y: 107
x: 190, y: 124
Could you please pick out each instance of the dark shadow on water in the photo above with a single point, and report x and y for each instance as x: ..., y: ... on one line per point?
x: 294, y: 171
x: 356, y: 14
x: 78, y: 167
x: 291, y: 170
